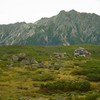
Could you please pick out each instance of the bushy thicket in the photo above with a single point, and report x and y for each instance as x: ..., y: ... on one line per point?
x: 66, y: 86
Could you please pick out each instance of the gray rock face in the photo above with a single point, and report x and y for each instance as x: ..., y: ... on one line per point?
x: 66, y: 28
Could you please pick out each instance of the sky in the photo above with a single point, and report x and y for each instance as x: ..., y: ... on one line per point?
x: 12, y: 11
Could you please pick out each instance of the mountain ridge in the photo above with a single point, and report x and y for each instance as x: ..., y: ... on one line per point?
x: 66, y: 28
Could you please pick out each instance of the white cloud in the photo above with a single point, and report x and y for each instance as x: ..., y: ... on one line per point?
x: 31, y: 10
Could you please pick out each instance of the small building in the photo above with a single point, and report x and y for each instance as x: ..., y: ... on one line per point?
x: 81, y: 52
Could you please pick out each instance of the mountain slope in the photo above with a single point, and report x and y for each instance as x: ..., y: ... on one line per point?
x: 66, y: 28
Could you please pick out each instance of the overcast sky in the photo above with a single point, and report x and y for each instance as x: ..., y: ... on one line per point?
x: 12, y: 11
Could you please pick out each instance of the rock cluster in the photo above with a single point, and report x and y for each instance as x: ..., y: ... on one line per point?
x: 24, y: 59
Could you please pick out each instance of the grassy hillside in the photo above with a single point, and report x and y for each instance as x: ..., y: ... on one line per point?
x: 49, y: 73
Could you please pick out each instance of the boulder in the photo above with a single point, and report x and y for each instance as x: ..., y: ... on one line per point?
x: 22, y: 56
x: 25, y: 61
x: 33, y: 61
x: 15, y: 58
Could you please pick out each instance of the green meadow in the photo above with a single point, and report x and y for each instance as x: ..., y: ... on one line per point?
x: 49, y: 73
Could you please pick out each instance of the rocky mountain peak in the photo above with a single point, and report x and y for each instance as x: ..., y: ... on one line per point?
x: 66, y: 28
x: 73, y: 11
x: 62, y: 12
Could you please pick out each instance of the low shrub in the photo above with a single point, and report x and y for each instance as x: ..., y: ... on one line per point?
x: 79, y: 72
x: 43, y: 77
x: 93, y: 77
x: 88, y: 72
x: 66, y: 86
x: 93, y: 96
x: 57, y: 67
x: 3, y: 64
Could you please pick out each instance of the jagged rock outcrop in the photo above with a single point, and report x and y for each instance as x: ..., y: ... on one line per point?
x: 66, y: 28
